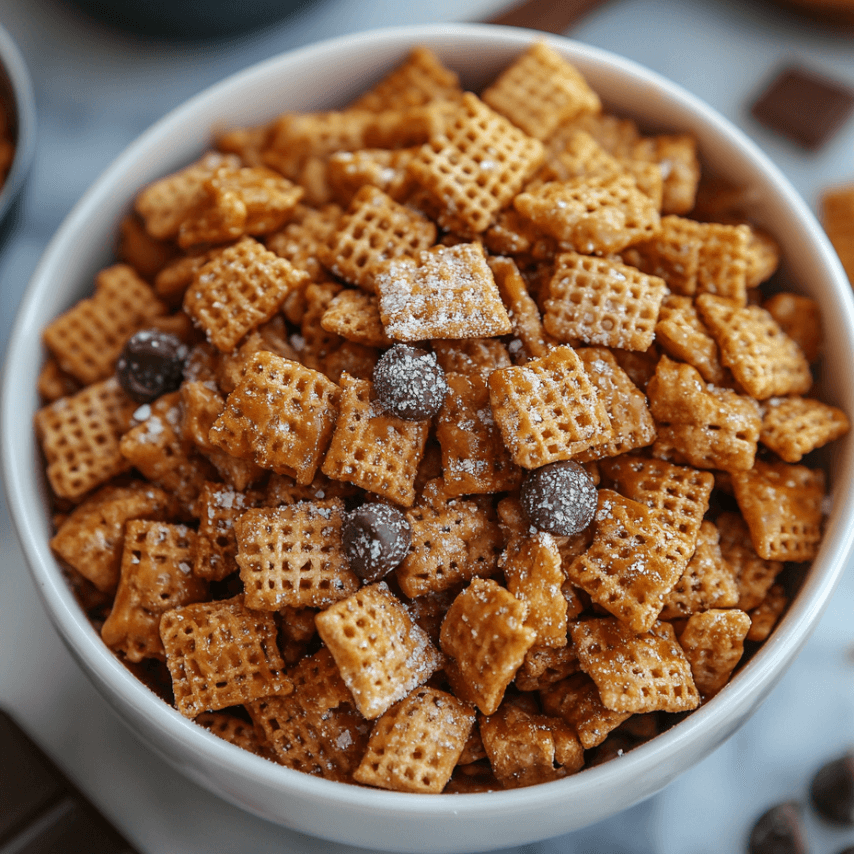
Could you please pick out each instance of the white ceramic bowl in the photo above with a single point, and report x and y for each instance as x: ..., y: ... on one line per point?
x: 328, y: 75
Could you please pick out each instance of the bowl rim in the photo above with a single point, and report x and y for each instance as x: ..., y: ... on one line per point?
x: 756, y: 677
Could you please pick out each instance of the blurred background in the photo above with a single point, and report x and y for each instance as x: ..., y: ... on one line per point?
x: 102, y: 73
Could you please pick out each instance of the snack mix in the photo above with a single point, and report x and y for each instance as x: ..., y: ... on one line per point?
x: 441, y: 443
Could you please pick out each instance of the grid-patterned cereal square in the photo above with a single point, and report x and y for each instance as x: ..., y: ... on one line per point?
x: 800, y: 318
x: 468, y: 356
x: 445, y: 292
x: 626, y: 570
x: 80, y: 438
x: 760, y: 355
x: 682, y: 335
x: 602, y: 302
x: 90, y: 539
x: 235, y: 731
x: 315, y: 344
x: 705, y: 426
x: 722, y: 268
x: 576, y: 700
x: 484, y: 632
x: 375, y: 229
x: 677, y: 156
x: 87, y: 339
x: 708, y: 580
x: 300, y: 240
x: 672, y: 254
x: 544, y: 665
x: 713, y: 642
x: 53, y: 383
x: 764, y: 616
x: 156, y: 576
x: 381, y: 653
x: 753, y: 575
x: 416, y: 744
x: 239, y: 289
x: 763, y: 257
x: 354, y: 315
x: 539, y: 90
x: 293, y: 555
x: 348, y: 171
x: 596, y: 214
x: 372, y: 449
x: 474, y: 166
x: 533, y: 570
x: 221, y: 654
x: 794, y: 426
x: 635, y: 672
x: 281, y: 416
x: 782, y: 505
x: 548, y: 409
x: 453, y: 540
x: 625, y: 403
x: 474, y: 459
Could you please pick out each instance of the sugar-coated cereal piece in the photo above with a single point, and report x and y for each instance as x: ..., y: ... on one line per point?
x: 800, y: 318
x: 682, y: 335
x: 763, y: 257
x: 136, y: 247
x: 764, y: 616
x: 713, y: 642
x: 354, y: 315
x: 722, y: 267
x: 348, y: 171
x: 635, y: 672
x: 672, y: 254
x: 794, y: 426
x: 677, y: 156
x: 415, y: 745
x: 235, y: 731
x: 471, y: 356
x: 221, y: 654
x: 484, y: 632
x: 544, y: 665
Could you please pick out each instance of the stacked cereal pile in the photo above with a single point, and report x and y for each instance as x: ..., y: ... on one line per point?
x: 418, y: 444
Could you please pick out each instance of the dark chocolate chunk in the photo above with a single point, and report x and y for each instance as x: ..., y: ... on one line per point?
x: 778, y: 831
x: 832, y: 791
x: 804, y: 106
x: 410, y: 383
x: 559, y: 498
x: 151, y: 364
x: 376, y: 539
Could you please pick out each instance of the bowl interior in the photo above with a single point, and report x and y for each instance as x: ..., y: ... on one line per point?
x: 325, y: 76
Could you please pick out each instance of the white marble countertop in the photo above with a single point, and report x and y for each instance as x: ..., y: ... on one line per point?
x: 96, y: 90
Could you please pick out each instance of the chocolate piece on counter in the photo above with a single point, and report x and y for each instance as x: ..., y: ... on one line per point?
x: 40, y: 810
x: 832, y: 791
x: 778, y: 831
x: 804, y: 106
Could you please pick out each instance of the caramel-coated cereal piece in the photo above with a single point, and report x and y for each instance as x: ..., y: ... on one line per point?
x: 53, y: 383
x: 485, y: 633
x: 348, y: 171
x: 764, y: 616
x: 602, y: 302
x: 753, y: 575
x: 156, y: 576
x: 794, y: 426
x: 354, y: 315
x: 635, y: 672
x: 677, y: 156
x: 800, y: 318
x: 672, y: 254
x: 281, y: 417
x: 415, y: 745
x: 221, y: 654
x: 381, y: 653
x: 763, y: 257
x: 235, y: 731
x: 722, y: 268
x: 544, y: 665
x: 293, y: 555
x: 713, y: 642
x: 548, y: 409
x: 147, y: 255
x: 445, y: 292
x: 301, y: 239
x: 468, y: 356
x: 781, y: 504
x: 682, y: 335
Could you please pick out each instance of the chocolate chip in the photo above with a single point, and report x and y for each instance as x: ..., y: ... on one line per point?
x: 832, y: 790
x: 559, y: 498
x: 151, y: 364
x: 376, y: 539
x: 804, y: 106
x: 410, y: 383
x: 778, y: 831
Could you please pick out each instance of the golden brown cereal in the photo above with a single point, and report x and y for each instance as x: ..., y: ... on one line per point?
x: 469, y: 356
x: 800, y: 318
x: 381, y: 653
x: 354, y: 315
x: 221, y: 654
x: 281, y: 417
x: 348, y: 171
x: 239, y: 289
x: 548, y: 409
x: 80, y: 438
x: 484, y: 633
x: 544, y: 665
x: 722, y: 267
x: 314, y: 344
x: 713, y: 642
x: 682, y: 335
x: 300, y: 240
x: 372, y: 449
x: 794, y: 426
x: 234, y: 730
x: 415, y: 745
x: 357, y: 360
x: 87, y: 339
x: 760, y: 355
x: 293, y: 555
x: 53, y: 383
x: 156, y: 576
x: 677, y: 156
x: 444, y: 292
x: 474, y: 166
x: 705, y: 426
x: 602, y: 302
x: 672, y: 254
x: 781, y: 504
x: 593, y: 215
x: 539, y: 90
x: 147, y: 255
x: 635, y: 672
x: 764, y: 616
x: 171, y: 283
x: 763, y: 257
